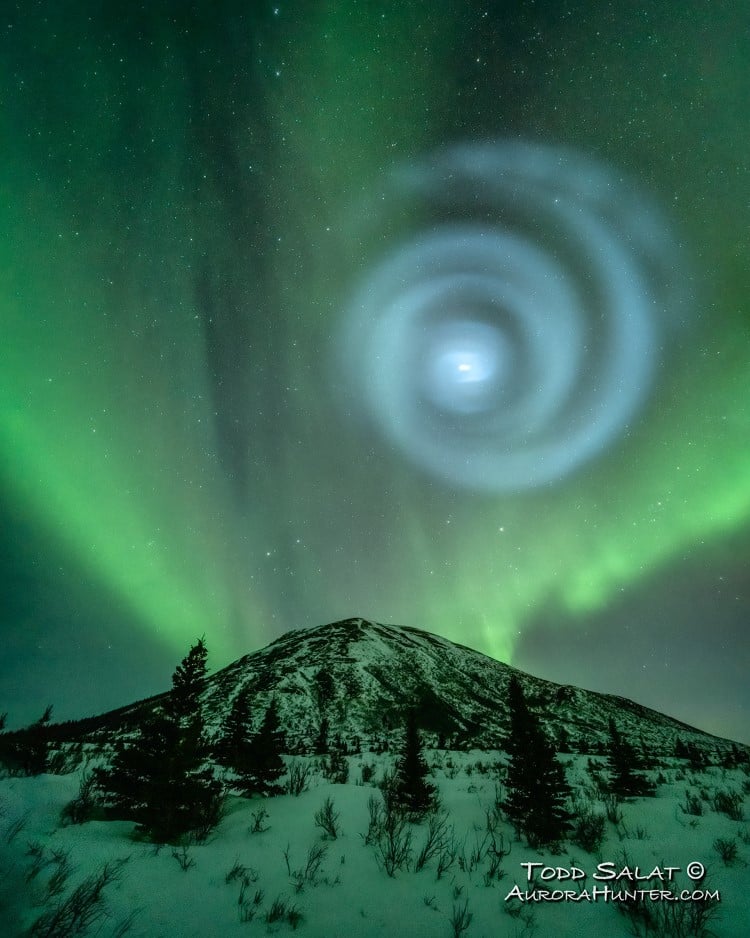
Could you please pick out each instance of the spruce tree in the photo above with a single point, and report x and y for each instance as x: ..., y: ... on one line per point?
x: 233, y: 747
x: 537, y: 791
x: 624, y: 765
x: 265, y: 765
x: 321, y: 740
x: 337, y: 766
x: 26, y: 751
x: 160, y: 778
x: 188, y: 681
x: 411, y: 788
x: 230, y: 749
x: 323, y: 689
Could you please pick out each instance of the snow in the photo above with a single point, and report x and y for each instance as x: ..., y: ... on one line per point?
x: 352, y: 897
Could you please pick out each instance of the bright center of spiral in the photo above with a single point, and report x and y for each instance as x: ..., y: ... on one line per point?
x: 466, y: 367
x: 518, y: 335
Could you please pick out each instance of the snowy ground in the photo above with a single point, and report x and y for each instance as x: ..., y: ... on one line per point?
x: 350, y: 895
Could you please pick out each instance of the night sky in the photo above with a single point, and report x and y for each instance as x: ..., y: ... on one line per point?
x: 431, y: 313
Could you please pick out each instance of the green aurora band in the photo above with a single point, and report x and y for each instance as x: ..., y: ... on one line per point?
x: 110, y: 433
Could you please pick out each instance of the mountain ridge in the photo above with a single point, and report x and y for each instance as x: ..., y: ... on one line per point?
x: 361, y: 676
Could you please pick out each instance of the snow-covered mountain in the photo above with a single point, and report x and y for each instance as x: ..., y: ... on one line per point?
x: 272, y: 866
x: 361, y: 677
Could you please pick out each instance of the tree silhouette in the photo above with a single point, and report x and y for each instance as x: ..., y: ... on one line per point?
x: 537, y: 791
x: 321, y: 740
x: 159, y: 777
x: 411, y: 789
x: 188, y: 681
x: 234, y: 736
x: 26, y: 751
x: 624, y: 765
x: 265, y: 765
x: 232, y: 749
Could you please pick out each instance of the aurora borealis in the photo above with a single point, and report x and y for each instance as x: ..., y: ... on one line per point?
x: 219, y: 415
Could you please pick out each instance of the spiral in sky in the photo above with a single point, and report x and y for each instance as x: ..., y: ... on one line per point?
x: 516, y: 333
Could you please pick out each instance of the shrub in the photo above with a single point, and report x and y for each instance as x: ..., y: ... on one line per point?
x: 277, y: 911
x: 282, y: 910
x: 393, y: 840
x: 670, y: 919
x: 336, y: 767
x: 35, y: 850
x: 638, y: 833
x: 587, y: 828
x: 612, y: 807
x: 368, y: 773
x: 59, y: 876
x: 375, y: 823
x: 447, y: 855
x: 460, y: 918
x: 435, y: 841
x: 298, y: 777
x: 81, y: 909
x: 729, y: 803
x: 244, y: 874
x: 258, y: 825
x: 81, y: 808
x: 727, y: 849
x: 247, y: 908
x: 185, y: 861
x: 693, y: 804
x: 309, y: 873
x: 469, y: 862
x: 326, y: 818
x: 495, y: 852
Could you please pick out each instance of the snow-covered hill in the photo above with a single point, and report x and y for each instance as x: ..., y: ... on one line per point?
x: 361, y: 676
x: 268, y: 869
x: 271, y: 867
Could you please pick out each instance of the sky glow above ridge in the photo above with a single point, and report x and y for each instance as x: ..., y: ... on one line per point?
x: 436, y: 319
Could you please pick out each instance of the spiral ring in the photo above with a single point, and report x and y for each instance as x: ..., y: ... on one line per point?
x: 515, y: 336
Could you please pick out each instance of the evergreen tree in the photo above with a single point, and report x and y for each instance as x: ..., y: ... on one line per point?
x: 337, y: 767
x: 410, y: 788
x: 323, y: 688
x: 231, y: 748
x: 537, y: 791
x: 265, y: 765
x: 37, y: 749
x: 697, y: 757
x: 160, y: 778
x: 321, y: 740
x: 188, y: 681
x: 623, y: 764
x: 26, y: 752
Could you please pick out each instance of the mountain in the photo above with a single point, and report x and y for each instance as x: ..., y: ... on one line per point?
x: 361, y: 676
x: 325, y: 855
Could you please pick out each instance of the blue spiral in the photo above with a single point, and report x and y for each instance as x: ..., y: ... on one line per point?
x: 516, y: 331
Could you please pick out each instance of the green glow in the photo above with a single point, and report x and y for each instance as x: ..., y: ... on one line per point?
x: 108, y: 436
x: 94, y: 447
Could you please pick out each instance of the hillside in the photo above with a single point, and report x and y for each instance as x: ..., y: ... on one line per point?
x: 361, y: 676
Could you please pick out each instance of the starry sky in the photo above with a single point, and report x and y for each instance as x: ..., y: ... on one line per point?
x: 435, y: 314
